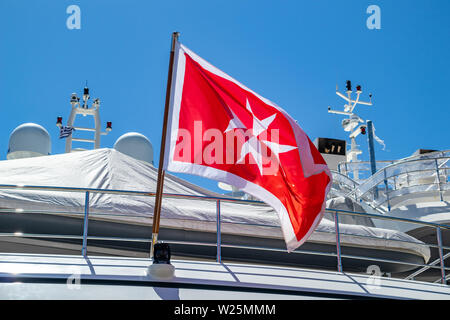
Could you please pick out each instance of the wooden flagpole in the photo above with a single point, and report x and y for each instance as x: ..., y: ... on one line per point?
x: 160, y: 182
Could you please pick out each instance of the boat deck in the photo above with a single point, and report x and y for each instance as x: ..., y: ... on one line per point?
x: 34, y: 276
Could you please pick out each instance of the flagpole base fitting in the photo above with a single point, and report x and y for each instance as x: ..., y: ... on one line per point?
x: 161, y: 267
x: 161, y: 271
x: 152, y: 245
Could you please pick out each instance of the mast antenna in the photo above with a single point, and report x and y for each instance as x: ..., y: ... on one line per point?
x: 353, y: 124
x: 85, y: 110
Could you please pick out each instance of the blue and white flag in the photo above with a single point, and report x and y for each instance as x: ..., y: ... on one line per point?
x: 65, y: 131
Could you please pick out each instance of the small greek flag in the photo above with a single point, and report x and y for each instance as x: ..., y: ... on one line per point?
x: 65, y: 131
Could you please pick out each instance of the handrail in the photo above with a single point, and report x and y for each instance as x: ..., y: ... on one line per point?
x: 344, y: 177
x: 347, y: 167
x: 397, y: 170
x: 239, y: 223
x: 218, y: 200
x: 200, y: 197
x: 394, y: 165
x: 422, y: 270
x: 426, y: 156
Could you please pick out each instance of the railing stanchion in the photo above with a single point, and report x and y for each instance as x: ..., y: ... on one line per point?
x: 219, y: 236
x: 407, y: 179
x: 441, y: 196
x: 85, y: 225
x: 354, y: 189
x: 386, y: 190
x: 441, y: 254
x: 338, y: 241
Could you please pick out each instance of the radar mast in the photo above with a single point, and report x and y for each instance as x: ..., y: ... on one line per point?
x: 353, y: 124
x: 85, y: 110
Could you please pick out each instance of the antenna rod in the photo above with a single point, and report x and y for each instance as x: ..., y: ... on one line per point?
x: 373, y: 166
x: 352, y: 123
x: 161, y: 171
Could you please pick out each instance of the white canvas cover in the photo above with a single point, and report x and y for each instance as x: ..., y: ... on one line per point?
x: 110, y: 169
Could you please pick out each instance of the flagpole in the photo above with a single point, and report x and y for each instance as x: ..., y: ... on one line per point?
x: 161, y: 171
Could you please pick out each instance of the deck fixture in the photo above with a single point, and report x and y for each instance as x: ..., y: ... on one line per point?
x: 161, y: 267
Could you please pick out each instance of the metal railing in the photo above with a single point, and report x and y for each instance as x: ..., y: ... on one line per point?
x: 388, y: 185
x: 437, y: 264
x: 363, y: 167
x: 365, y: 170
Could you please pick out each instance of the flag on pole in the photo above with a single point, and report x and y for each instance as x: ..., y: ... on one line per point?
x: 65, y: 131
x: 377, y: 138
x: 220, y: 129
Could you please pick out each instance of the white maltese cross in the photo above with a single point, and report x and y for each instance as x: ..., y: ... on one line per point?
x: 253, y: 145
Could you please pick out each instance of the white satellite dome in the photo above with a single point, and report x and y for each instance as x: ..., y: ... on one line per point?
x: 135, y: 145
x: 28, y: 140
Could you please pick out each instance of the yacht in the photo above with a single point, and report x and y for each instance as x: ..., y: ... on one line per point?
x: 73, y: 224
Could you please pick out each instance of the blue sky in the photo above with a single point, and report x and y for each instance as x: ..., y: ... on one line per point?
x: 292, y: 52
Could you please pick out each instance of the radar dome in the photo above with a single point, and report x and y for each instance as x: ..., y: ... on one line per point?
x: 135, y: 145
x: 28, y: 140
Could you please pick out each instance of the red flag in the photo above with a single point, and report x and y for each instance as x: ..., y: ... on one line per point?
x: 220, y: 129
